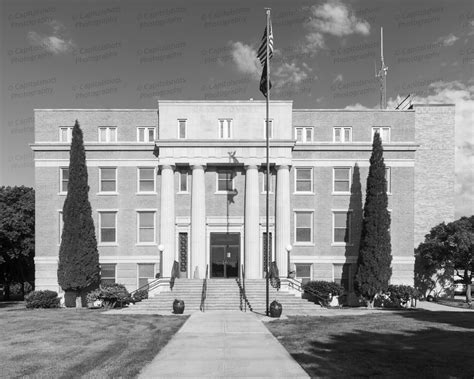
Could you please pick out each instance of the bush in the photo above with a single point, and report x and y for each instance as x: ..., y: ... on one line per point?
x: 397, y: 296
x: 93, y: 296
x: 114, y: 295
x: 42, y: 299
x: 140, y: 295
x: 321, y: 291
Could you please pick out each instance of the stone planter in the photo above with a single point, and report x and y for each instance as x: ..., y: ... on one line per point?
x: 178, y: 306
x: 275, y: 309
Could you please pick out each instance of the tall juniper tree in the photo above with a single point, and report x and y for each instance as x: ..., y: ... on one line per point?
x: 375, y: 255
x: 78, y: 268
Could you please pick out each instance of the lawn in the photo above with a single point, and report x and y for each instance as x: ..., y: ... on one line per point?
x: 405, y: 344
x: 66, y: 343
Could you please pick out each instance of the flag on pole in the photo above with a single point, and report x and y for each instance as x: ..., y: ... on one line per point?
x: 263, y: 81
x: 262, y: 51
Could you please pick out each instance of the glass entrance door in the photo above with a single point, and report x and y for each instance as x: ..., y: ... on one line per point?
x: 225, y: 255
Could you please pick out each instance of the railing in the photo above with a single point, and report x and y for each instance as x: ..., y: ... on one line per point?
x: 150, y: 285
x: 295, y: 284
x: 244, y: 302
x: 204, y: 290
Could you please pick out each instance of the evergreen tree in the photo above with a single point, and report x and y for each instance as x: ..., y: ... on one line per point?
x: 375, y: 256
x: 78, y: 268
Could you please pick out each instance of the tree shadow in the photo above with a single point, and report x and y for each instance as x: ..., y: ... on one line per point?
x: 457, y: 319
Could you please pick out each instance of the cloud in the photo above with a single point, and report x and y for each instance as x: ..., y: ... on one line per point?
x: 56, y: 41
x: 289, y: 74
x: 332, y: 18
x: 245, y: 59
x: 356, y: 107
x: 448, y: 40
x: 338, y: 78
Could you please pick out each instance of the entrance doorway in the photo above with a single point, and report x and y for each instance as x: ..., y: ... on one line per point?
x: 225, y: 255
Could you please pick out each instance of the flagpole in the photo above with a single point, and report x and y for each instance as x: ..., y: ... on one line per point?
x: 267, y: 289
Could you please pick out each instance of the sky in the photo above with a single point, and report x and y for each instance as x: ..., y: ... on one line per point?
x: 129, y: 54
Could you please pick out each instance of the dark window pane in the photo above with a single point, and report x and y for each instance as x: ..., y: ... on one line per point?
x: 108, y: 235
x: 303, y: 235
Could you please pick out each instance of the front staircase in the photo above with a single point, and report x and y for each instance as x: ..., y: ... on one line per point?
x: 222, y: 294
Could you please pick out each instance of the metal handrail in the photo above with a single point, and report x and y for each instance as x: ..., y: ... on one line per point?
x: 293, y: 283
x: 204, y: 290
x: 148, y: 286
x: 243, y: 295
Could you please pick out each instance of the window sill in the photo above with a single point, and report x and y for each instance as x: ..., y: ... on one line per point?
x: 182, y: 193
x: 62, y: 193
x: 109, y: 244
x: 303, y: 244
x: 265, y: 192
x: 107, y: 193
x: 341, y: 193
x: 146, y: 244
x: 225, y: 193
x: 146, y: 193
x: 303, y: 193
x: 341, y: 244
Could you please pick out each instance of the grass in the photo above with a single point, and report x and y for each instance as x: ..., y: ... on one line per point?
x: 66, y: 343
x: 406, y: 344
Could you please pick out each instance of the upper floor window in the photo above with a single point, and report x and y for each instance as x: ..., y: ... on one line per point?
x: 303, y: 179
x: 304, y: 227
x: 225, y: 128
x: 342, y: 134
x: 108, y: 179
x: 304, y: 134
x: 183, y: 181
x: 107, y: 134
x: 270, y: 129
x: 108, y: 227
x: 182, y: 129
x: 146, y: 179
x: 342, y: 179
x: 65, y: 133
x: 388, y: 178
x: 63, y: 179
x: 146, y: 227
x: 225, y: 181
x: 341, y: 227
x: 384, y: 132
x: 146, y: 133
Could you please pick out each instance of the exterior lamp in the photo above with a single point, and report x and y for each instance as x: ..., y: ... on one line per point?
x: 288, y: 249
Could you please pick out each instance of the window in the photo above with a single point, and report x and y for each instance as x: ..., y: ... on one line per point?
x: 304, y: 134
x: 383, y: 131
x: 107, y: 273
x: 303, y: 227
x: 108, y: 227
x: 264, y: 182
x: 270, y: 126
x: 341, y: 227
x: 225, y: 128
x: 303, y: 272
x: 146, y: 227
x: 60, y: 224
x: 388, y: 178
x: 343, y: 275
x: 181, y: 129
x: 146, y: 179
x: 342, y: 179
x: 65, y: 133
x: 183, y: 181
x: 225, y: 181
x: 146, y: 134
x: 145, y: 271
x: 63, y: 179
x: 342, y: 134
x: 107, y: 134
x: 108, y: 179
x: 303, y: 179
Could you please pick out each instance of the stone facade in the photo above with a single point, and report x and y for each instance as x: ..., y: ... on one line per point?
x: 185, y: 212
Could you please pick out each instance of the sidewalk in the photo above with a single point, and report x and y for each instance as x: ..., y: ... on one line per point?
x: 221, y: 344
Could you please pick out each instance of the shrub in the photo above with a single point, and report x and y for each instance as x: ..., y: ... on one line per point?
x: 93, y: 296
x: 114, y: 295
x: 140, y: 295
x: 42, y: 299
x: 397, y: 296
x: 321, y: 291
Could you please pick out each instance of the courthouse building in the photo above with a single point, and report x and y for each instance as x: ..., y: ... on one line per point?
x: 185, y: 182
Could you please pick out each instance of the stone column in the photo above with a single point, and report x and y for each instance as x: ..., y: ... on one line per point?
x: 168, y: 221
x: 198, y: 222
x: 283, y: 221
x: 251, y: 237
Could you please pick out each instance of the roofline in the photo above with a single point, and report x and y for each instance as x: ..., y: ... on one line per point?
x: 93, y: 110
x: 434, y: 105
x: 352, y: 110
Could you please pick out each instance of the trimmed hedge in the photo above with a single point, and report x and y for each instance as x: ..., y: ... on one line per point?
x: 140, y: 295
x: 397, y: 296
x: 42, y: 299
x: 114, y: 295
x: 324, y: 290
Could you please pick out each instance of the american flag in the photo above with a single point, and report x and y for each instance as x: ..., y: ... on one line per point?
x: 262, y: 51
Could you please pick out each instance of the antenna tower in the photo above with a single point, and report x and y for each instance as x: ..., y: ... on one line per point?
x: 382, y: 75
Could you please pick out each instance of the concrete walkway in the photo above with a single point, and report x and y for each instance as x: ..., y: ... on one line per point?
x: 223, y: 344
